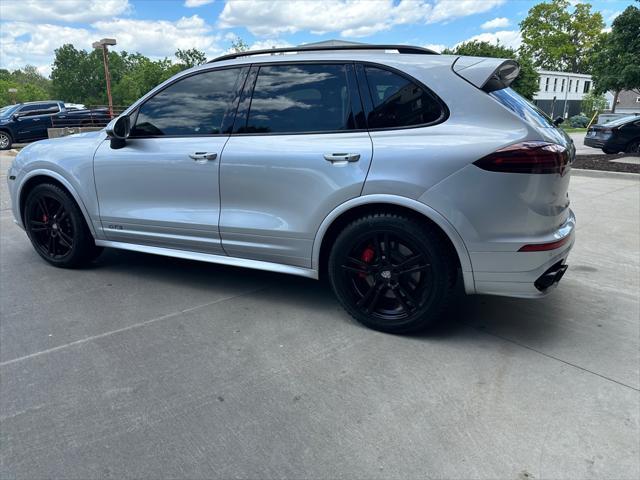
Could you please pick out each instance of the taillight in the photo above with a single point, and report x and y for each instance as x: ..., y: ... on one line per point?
x: 527, y: 157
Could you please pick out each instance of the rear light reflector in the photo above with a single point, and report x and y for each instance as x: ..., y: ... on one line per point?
x: 543, y: 247
x: 527, y: 157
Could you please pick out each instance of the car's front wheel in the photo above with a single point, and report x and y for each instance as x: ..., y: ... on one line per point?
x: 56, y: 227
x: 391, y: 273
x: 5, y: 140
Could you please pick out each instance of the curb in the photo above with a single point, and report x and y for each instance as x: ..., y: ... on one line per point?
x: 581, y: 172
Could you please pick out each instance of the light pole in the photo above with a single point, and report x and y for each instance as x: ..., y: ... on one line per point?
x: 102, y: 44
x: 13, y: 91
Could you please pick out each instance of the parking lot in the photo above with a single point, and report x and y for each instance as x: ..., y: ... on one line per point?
x: 144, y: 366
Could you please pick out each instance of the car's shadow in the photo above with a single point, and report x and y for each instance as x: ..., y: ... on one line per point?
x: 531, y: 321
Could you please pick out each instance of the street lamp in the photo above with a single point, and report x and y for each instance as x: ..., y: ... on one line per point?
x: 102, y: 44
x: 13, y: 91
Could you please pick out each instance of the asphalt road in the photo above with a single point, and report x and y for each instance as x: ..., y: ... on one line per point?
x: 149, y: 367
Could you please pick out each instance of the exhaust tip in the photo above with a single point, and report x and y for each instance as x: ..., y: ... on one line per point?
x: 552, y: 276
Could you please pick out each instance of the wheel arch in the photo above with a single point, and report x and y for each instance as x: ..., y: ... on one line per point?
x: 354, y: 208
x: 38, y: 177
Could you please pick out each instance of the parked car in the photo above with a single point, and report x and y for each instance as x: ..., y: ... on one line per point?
x: 27, y: 122
x: 391, y: 170
x: 620, y: 135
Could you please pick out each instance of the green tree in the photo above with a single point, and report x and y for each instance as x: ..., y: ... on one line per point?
x: 29, y: 83
x: 239, y: 45
x: 144, y: 75
x: 593, y: 102
x: 527, y: 82
x: 557, y: 39
x: 616, y: 60
x: 190, y: 58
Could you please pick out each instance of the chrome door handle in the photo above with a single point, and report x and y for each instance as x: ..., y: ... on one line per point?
x: 342, y: 157
x: 203, y: 156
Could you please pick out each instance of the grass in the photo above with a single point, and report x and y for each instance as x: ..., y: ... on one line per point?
x: 568, y: 129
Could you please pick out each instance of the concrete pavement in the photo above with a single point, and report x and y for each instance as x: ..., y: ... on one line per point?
x: 581, y: 148
x: 150, y: 367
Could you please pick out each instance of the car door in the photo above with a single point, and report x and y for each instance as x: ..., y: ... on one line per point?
x: 161, y: 188
x: 29, y: 122
x: 42, y: 120
x: 299, y: 150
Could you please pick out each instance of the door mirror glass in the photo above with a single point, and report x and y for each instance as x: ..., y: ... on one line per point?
x: 558, y: 121
x: 119, y: 128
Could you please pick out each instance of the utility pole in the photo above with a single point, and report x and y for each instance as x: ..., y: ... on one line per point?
x: 102, y: 44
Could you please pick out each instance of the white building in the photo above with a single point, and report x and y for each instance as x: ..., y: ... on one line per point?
x: 560, y: 94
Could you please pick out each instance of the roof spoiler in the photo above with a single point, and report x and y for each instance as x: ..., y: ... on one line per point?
x: 488, y: 74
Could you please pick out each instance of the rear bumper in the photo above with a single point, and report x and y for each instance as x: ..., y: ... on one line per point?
x: 524, y: 274
x: 593, y: 142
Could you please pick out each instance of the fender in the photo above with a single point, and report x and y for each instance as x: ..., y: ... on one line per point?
x: 430, y: 213
x: 56, y: 176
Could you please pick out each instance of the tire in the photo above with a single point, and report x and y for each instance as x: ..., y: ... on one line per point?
x: 609, y: 151
x: 5, y: 140
x: 392, y: 273
x: 633, y: 146
x: 57, y: 229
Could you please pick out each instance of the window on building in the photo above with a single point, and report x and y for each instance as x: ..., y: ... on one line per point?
x: 587, y: 86
x: 546, y: 85
x: 555, y: 84
x: 562, y: 86
x: 577, y: 85
x: 570, y: 84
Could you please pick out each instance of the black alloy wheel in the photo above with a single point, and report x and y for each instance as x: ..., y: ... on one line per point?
x: 56, y: 227
x: 391, y: 273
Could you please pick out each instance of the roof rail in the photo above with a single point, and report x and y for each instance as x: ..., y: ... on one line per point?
x: 320, y: 48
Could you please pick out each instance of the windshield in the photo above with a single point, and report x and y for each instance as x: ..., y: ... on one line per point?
x: 8, y: 110
x: 523, y: 108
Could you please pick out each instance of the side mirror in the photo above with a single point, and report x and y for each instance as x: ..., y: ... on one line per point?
x: 16, y: 116
x: 558, y: 121
x: 118, y: 130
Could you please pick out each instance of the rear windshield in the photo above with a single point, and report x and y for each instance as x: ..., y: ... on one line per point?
x: 622, y: 121
x: 520, y: 106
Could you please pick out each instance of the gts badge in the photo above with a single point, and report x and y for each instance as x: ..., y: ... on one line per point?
x: 115, y: 227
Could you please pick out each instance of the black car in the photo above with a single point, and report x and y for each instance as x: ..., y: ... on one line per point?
x: 620, y: 135
x: 27, y: 122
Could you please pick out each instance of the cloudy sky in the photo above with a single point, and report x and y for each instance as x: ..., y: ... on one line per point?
x: 30, y: 30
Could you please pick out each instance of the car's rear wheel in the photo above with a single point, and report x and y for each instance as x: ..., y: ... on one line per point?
x: 57, y: 229
x: 633, y: 146
x: 5, y: 140
x: 391, y: 273
x: 609, y: 151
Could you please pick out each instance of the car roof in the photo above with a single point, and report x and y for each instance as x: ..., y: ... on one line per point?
x: 374, y: 56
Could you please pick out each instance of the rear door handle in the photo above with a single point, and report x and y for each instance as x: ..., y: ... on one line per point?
x: 203, y: 157
x: 341, y: 157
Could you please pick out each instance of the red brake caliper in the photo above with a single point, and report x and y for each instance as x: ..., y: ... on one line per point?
x: 45, y: 218
x: 367, y: 257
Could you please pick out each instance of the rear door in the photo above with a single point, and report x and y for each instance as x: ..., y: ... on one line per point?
x: 299, y: 150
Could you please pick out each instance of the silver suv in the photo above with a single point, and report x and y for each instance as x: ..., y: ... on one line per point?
x: 391, y: 170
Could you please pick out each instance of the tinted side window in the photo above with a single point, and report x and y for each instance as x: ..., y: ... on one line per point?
x: 399, y: 102
x: 300, y: 98
x: 31, y: 110
x: 195, y: 105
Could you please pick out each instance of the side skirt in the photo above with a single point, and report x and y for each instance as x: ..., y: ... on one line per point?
x: 211, y: 258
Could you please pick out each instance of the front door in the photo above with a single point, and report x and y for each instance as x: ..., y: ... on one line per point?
x: 161, y: 188
x: 299, y: 150
x: 34, y: 120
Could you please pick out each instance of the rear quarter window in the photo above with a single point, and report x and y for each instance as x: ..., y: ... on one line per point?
x: 399, y: 102
x: 521, y: 107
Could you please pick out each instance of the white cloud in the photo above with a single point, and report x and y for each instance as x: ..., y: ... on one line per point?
x: 352, y: 18
x: 436, y: 47
x: 35, y: 11
x: 506, y: 38
x: 499, y: 22
x: 24, y: 43
x: 196, y: 3
x: 445, y: 10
